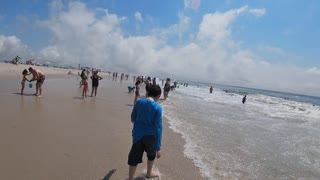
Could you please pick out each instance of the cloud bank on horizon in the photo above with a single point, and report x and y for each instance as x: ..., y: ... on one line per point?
x: 206, y: 50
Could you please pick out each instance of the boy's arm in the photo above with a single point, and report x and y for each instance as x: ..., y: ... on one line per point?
x: 100, y: 77
x: 158, y: 129
x: 133, y: 114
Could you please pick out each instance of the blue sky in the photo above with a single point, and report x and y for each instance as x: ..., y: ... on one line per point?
x: 260, y: 36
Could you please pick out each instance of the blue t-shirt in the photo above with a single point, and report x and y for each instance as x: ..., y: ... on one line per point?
x: 147, y: 120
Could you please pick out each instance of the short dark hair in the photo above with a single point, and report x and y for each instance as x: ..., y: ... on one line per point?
x: 25, y: 71
x: 137, y: 83
x: 154, y: 91
x: 30, y: 68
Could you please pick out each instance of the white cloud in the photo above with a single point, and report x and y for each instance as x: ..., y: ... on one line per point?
x: 314, y: 70
x: 174, y: 30
x: 273, y: 50
x: 11, y: 46
x: 216, y: 27
x: 193, y: 4
x: 138, y: 17
x: 258, y: 12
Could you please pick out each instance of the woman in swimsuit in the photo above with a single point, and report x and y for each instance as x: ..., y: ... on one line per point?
x: 95, y: 83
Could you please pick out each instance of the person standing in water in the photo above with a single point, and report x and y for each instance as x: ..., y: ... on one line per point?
x: 95, y: 83
x: 85, y: 87
x: 211, y: 89
x: 166, y: 89
x: 24, y: 79
x: 244, y: 99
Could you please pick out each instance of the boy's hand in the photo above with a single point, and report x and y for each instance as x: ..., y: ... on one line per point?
x: 158, y: 154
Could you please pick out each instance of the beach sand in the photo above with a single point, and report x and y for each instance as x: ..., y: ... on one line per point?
x: 62, y: 136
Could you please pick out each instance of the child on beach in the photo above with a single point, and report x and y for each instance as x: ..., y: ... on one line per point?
x: 95, y: 83
x: 24, y: 79
x: 137, y: 92
x: 84, y: 83
x: 146, y: 117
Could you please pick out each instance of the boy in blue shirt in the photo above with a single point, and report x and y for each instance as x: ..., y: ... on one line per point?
x: 146, y: 117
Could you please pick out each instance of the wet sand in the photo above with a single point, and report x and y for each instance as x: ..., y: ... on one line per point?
x: 61, y: 136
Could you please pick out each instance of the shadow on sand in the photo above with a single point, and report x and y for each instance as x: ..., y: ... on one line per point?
x: 143, y: 177
x: 110, y: 173
x: 23, y: 94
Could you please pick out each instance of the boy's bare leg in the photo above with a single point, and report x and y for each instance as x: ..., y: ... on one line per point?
x: 132, y: 171
x: 92, y: 91
x: 150, y: 174
x: 95, y: 92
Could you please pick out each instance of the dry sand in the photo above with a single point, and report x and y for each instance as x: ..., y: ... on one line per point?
x: 11, y: 71
x: 61, y: 136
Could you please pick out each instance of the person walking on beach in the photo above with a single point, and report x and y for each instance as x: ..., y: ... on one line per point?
x: 121, y: 77
x: 146, y: 117
x: 148, y: 84
x: 95, y: 83
x: 39, y: 77
x: 154, y: 81
x: 24, y: 79
x: 244, y: 99
x: 166, y: 88
x: 137, y: 93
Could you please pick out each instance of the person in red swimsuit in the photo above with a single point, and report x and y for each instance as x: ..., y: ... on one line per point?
x: 85, y: 85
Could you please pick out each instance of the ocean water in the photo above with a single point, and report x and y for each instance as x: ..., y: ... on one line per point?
x: 269, y: 137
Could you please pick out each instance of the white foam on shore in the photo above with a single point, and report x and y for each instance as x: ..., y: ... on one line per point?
x: 190, y: 148
x: 155, y: 169
x: 242, y: 144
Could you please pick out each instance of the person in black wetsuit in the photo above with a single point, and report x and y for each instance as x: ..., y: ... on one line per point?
x: 244, y: 99
x: 95, y: 83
